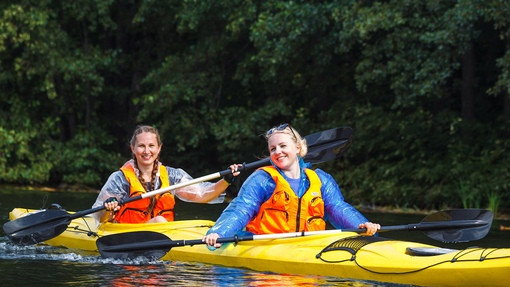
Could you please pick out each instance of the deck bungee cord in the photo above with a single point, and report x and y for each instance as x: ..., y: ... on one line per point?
x: 87, y: 231
x: 354, y: 244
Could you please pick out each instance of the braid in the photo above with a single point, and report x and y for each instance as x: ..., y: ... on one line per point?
x: 140, y: 177
x: 154, y: 173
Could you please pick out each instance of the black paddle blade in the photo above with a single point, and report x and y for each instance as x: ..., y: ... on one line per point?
x: 130, y: 245
x: 327, y: 136
x: 37, y: 227
x: 458, y: 225
x: 328, y: 145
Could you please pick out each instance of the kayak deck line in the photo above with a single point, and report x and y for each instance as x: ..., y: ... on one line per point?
x: 88, y: 230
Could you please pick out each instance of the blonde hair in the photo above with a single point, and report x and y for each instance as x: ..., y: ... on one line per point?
x: 293, y: 133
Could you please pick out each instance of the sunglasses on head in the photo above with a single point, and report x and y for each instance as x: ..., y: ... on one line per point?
x: 279, y: 129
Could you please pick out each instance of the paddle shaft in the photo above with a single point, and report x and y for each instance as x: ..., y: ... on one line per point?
x: 211, y: 176
x: 426, y: 226
x: 168, y: 243
x: 136, y: 244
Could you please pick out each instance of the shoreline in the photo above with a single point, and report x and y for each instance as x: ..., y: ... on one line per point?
x: 59, y: 188
x: 363, y: 208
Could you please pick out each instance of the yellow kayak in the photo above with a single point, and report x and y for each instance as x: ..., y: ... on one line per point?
x: 330, y: 253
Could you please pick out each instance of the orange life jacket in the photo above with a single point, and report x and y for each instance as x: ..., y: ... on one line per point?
x: 284, y: 211
x: 138, y: 211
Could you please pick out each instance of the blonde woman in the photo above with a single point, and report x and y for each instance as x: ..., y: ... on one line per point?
x: 287, y: 196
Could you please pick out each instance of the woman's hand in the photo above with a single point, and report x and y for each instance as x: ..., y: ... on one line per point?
x: 210, y: 239
x: 111, y: 204
x: 370, y: 227
x: 229, y: 178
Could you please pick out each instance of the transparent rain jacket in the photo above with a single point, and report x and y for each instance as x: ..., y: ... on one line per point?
x: 118, y: 186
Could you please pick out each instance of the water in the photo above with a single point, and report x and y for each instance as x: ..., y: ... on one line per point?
x: 51, y: 266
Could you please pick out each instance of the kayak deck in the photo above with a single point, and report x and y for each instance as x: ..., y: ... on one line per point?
x: 382, y: 260
x: 345, y: 254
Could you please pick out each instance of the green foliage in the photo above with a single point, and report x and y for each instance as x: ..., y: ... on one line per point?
x: 85, y: 159
x: 77, y: 76
x: 494, y: 199
x: 393, y: 163
x: 17, y: 162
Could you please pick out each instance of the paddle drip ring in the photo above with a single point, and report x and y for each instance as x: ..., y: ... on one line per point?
x: 350, y: 244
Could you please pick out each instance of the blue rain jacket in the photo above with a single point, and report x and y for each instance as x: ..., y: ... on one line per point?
x: 259, y: 187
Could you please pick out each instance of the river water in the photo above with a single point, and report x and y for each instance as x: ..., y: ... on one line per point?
x: 50, y: 266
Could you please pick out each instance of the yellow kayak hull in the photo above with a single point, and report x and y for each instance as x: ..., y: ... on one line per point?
x: 343, y: 254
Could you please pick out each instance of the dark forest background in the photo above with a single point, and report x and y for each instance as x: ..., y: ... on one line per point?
x: 424, y: 84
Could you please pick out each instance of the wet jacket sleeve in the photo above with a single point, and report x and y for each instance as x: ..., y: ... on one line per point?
x: 191, y: 193
x: 116, y: 186
x: 339, y: 213
x: 257, y: 188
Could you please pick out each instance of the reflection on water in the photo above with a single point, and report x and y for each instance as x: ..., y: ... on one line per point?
x: 51, y: 266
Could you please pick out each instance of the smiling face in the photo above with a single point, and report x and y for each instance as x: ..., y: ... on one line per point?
x: 146, y: 149
x: 283, y: 151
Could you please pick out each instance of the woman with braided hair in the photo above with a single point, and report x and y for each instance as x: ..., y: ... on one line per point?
x: 145, y: 173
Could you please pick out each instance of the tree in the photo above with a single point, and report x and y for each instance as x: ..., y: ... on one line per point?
x: 424, y: 84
